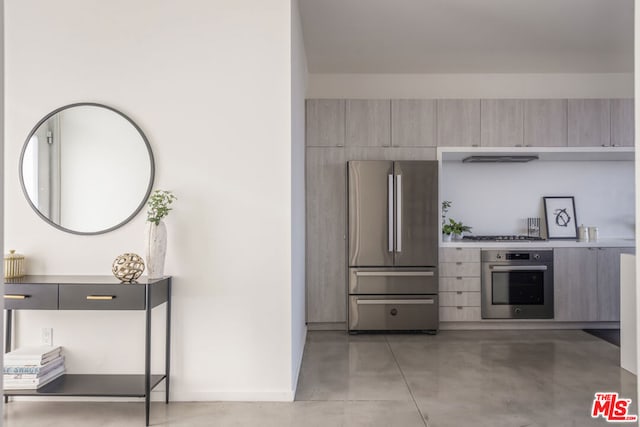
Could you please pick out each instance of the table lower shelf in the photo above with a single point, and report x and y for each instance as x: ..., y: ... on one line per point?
x: 92, y: 385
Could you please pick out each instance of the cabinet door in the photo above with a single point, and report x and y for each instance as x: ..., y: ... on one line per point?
x: 326, y: 233
x: 501, y: 123
x: 545, y: 122
x: 325, y: 122
x: 589, y: 123
x: 575, y: 284
x: 413, y: 123
x: 609, y: 283
x: 458, y: 123
x: 622, y: 123
x: 368, y: 123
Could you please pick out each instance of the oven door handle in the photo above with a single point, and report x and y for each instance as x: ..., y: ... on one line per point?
x: 518, y: 267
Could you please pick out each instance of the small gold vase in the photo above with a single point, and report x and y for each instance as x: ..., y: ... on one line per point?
x: 13, y: 265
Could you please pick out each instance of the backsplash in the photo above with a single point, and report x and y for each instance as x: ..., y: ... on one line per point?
x: 497, y: 198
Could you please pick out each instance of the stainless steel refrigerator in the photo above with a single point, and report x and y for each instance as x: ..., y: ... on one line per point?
x: 393, y: 245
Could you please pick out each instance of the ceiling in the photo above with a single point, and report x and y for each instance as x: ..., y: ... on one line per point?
x: 468, y: 36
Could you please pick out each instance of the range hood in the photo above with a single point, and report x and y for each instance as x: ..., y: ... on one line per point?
x: 500, y: 158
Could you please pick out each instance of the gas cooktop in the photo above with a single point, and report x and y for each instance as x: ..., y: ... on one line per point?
x: 512, y: 237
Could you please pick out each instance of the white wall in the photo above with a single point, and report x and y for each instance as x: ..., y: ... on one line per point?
x: 2, y: 75
x: 498, y: 198
x: 470, y: 86
x: 298, y: 282
x: 209, y: 82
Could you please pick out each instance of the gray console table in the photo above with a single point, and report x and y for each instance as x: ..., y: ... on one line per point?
x: 93, y: 293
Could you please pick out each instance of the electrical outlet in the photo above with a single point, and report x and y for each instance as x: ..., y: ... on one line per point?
x: 47, y: 336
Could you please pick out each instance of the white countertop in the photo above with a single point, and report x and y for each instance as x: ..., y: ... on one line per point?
x: 601, y: 243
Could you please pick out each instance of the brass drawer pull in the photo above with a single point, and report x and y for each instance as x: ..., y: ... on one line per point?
x: 16, y: 296
x: 100, y: 297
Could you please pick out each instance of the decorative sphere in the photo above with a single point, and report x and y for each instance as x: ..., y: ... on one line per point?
x: 128, y: 267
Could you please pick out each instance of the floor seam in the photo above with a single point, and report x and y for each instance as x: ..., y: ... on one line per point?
x: 424, y: 421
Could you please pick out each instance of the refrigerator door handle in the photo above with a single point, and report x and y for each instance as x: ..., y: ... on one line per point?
x: 429, y: 301
x: 398, y: 213
x: 395, y: 273
x: 390, y: 209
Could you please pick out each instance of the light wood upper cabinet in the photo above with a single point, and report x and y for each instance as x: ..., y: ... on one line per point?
x: 545, y: 122
x: 589, y: 123
x: 458, y: 122
x: 413, y: 123
x: 622, y: 123
x: 368, y: 123
x: 325, y: 122
x: 575, y: 284
x: 326, y: 234
x: 501, y: 123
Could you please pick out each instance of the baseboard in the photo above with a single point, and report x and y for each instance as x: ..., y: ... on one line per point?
x: 523, y: 324
x: 204, y: 396
x: 327, y: 326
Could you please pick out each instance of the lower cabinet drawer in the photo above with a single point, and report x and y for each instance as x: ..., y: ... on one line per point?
x: 459, y: 314
x: 393, y: 312
x: 30, y: 297
x: 466, y: 284
x: 459, y: 298
x: 102, y: 297
x: 459, y: 269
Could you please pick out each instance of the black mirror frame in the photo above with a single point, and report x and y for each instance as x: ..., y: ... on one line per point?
x: 151, y: 169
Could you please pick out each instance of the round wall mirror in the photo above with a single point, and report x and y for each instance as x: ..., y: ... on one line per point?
x: 86, y: 168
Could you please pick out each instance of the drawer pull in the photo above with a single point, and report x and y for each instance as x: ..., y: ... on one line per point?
x: 459, y: 278
x: 16, y: 296
x: 459, y: 292
x: 395, y: 273
x: 458, y: 263
x: 100, y: 297
x: 459, y: 307
x: 458, y: 249
x: 394, y: 301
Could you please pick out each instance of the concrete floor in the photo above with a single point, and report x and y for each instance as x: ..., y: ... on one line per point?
x: 457, y: 378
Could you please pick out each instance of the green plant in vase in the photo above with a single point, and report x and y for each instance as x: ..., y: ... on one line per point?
x: 452, y: 228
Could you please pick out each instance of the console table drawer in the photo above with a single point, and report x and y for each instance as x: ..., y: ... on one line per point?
x: 30, y: 297
x: 102, y: 297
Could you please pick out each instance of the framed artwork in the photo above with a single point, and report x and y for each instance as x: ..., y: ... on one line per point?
x: 560, y: 217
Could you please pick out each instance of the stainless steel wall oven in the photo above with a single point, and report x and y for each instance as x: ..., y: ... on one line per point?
x: 517, y: 284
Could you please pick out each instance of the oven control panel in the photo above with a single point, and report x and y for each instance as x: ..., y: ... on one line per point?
x: 515, y: 255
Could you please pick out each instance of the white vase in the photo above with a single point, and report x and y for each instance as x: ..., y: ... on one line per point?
x: 156, y: 249
x: 446, y: 237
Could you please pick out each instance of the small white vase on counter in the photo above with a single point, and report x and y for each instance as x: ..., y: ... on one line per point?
x: 156, y: 249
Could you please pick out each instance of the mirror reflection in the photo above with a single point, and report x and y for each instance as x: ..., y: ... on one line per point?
x: 86, y: 168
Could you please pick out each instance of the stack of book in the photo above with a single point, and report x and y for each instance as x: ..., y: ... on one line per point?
x: 32, y: 367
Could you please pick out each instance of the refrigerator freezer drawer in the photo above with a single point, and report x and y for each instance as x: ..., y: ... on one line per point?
x: 393, y: 313
x: 393, y: 281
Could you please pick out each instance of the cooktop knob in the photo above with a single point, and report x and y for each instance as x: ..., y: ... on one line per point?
x: 498, y: 256
x: 536, y: 256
